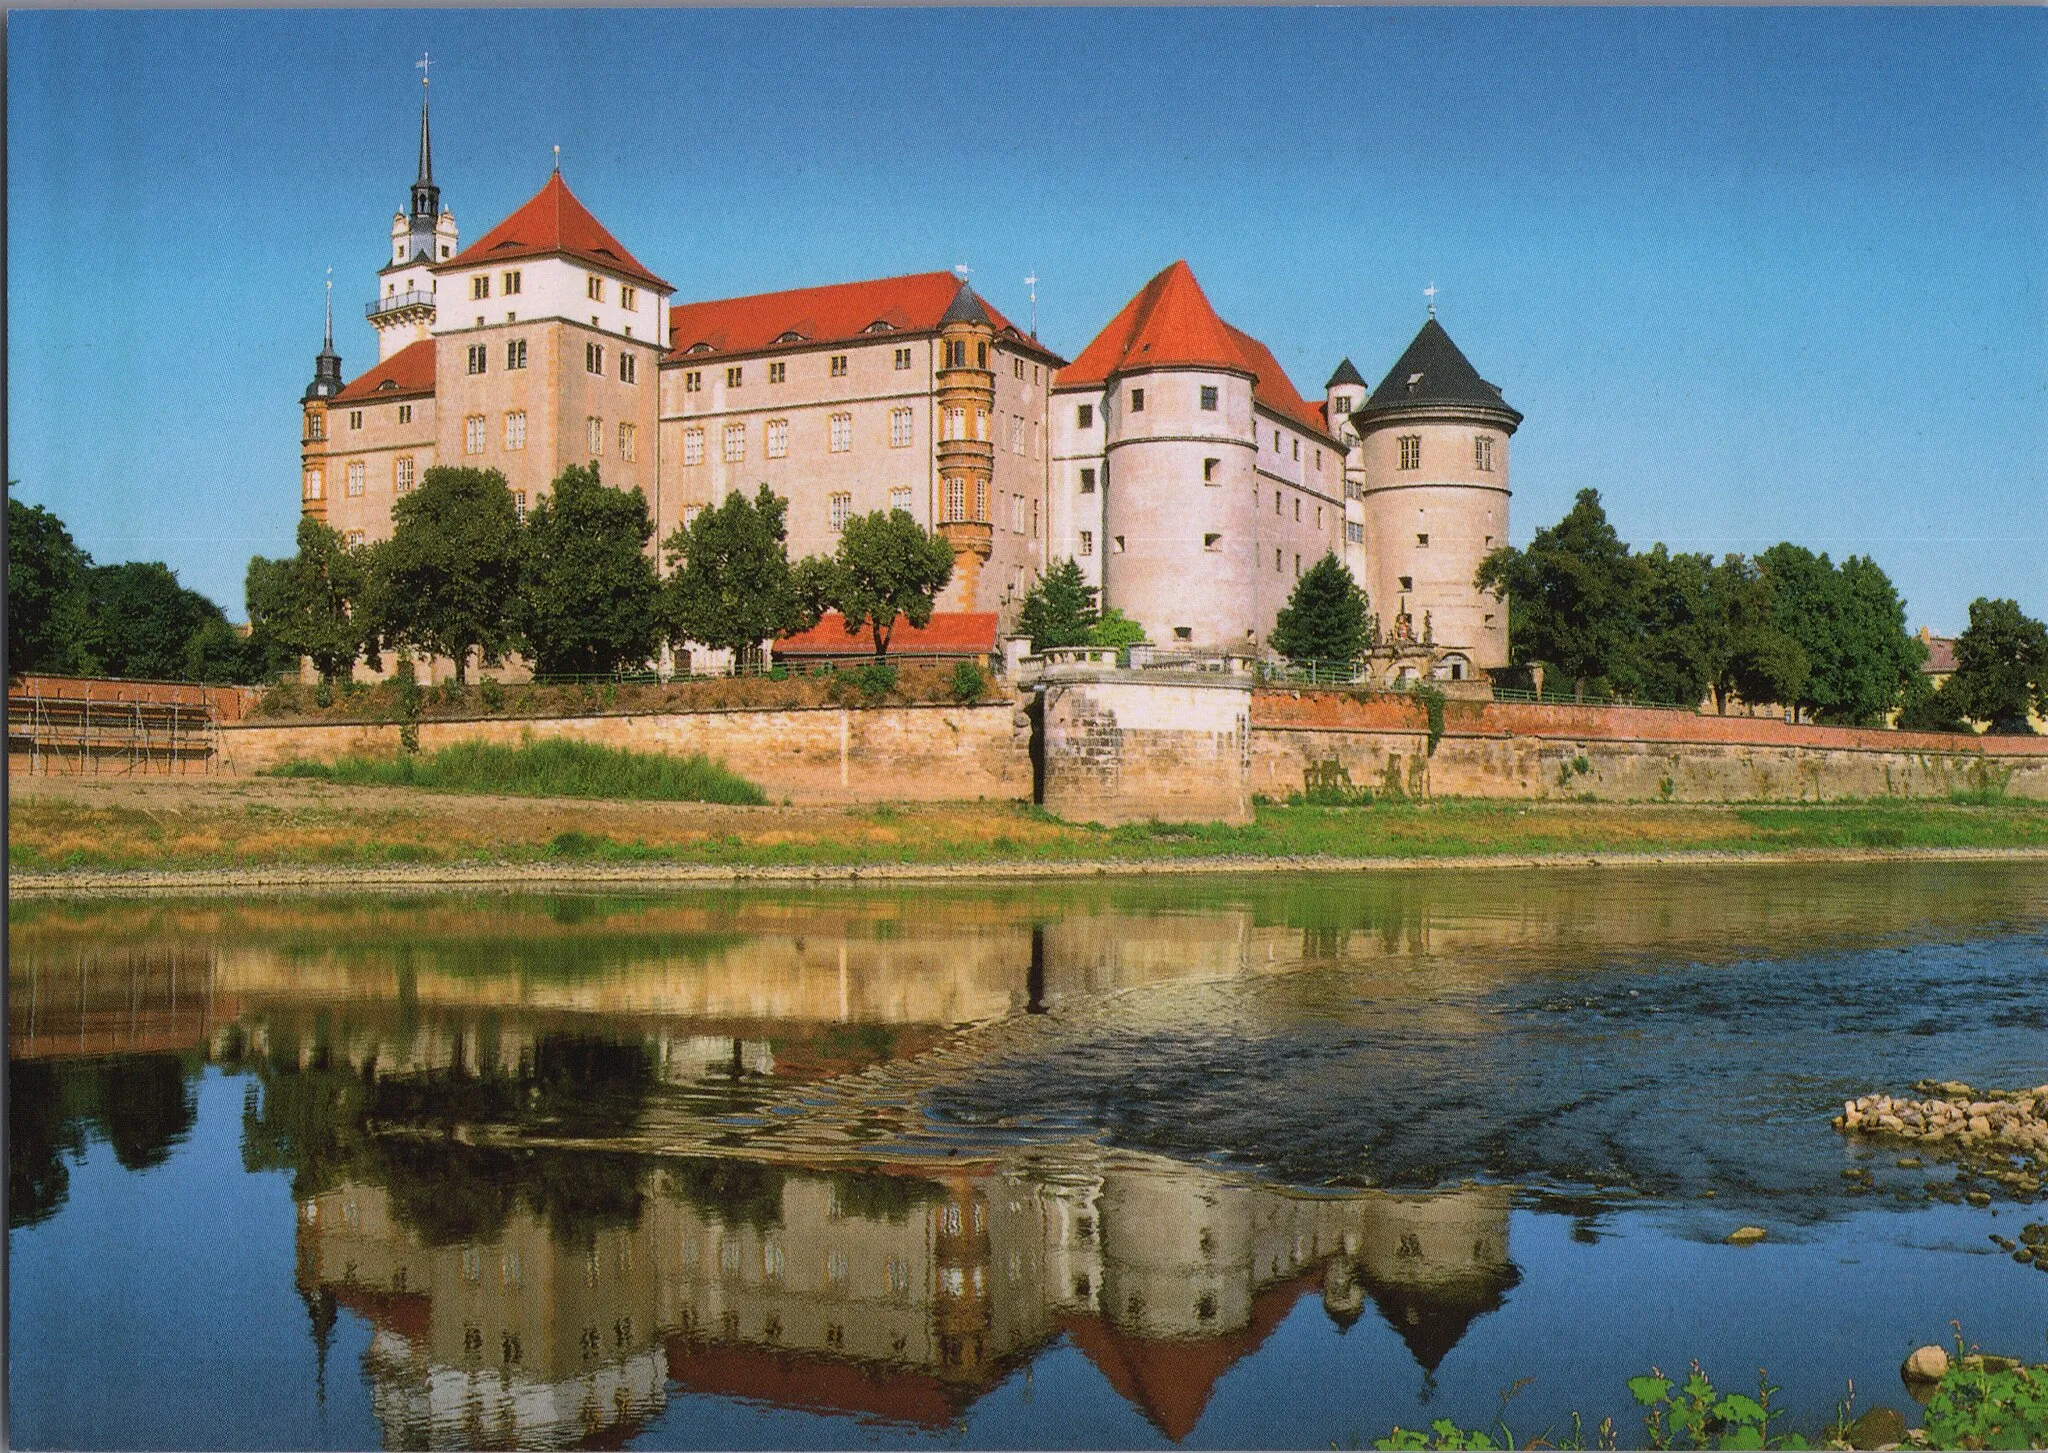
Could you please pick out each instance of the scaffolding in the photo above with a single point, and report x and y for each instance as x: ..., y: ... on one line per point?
x: 113, y: 728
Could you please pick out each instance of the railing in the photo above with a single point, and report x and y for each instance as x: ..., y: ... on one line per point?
x: 395, y: 302
x: 1590, y: 698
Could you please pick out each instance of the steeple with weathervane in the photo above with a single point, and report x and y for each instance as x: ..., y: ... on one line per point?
x: 403, y: 310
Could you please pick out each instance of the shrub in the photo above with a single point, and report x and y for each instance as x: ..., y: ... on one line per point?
x: 874, y: 680
x: 968, y: 682
x: 492, y: 694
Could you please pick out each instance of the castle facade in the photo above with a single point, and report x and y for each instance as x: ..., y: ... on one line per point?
x: 1172, y: 459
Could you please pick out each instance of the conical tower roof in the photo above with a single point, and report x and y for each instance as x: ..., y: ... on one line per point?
x: 1345, y: 375
x: 554, y: 222
x: 1434, y: 372
x: 965, y: 308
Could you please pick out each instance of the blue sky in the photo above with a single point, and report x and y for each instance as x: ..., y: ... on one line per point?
x: 1753, y: 274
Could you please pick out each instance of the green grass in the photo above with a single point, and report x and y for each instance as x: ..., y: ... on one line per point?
x: 555, y: 767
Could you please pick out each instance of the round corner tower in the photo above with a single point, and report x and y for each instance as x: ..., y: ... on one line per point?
x: 1433, y: 447
x: 966, y: 401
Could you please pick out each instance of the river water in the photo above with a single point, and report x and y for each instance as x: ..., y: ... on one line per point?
x: 1207, y: 1161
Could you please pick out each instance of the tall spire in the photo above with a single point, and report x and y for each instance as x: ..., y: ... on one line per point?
x: 327, y: 363
x: 426, y: 197
x: 327, y: 344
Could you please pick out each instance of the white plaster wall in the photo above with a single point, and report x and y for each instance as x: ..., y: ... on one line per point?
x: 554, y: 287
x: 1463, y: 510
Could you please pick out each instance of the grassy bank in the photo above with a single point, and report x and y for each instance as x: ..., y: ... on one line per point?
x: 556, y: 767
x: 228, y: 822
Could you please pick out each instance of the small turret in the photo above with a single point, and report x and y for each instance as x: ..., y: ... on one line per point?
x: 326, y: 363
x: 1344, y: 392
x: 966, y: 403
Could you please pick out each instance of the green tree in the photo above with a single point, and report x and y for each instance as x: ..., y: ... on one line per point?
x: 1851, y: 625
x: 1928, y: 708
x: 1325, y: 618
x: 1114, y: 628
x: 1059, y: 609
x: 887, y: 565
x: 443, y: 584
x: 731, y: 585
x: 140, y: 623
x: 45, y: 591
x: 1684, y: 640
x: 587, y: 589
x: 2001, y: 666
x: 308, y: 604
x: 1574, y: 599
x: 1747, y: 655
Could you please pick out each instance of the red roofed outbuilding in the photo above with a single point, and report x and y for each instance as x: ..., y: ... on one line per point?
x: 949, y: 636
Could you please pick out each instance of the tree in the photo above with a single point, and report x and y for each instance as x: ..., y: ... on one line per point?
x: 1851, y: 625
x: 1325, y: 618
x: 1059, y: 609
x: 1116, y: 629
x: 308, y: 604
x: 1683, y: 641
x: 587, y: 590
x: 45, y: 591
x: 2001, y: 666
x: 887, y: 565
x: 1574, y: 599
x: 443, y: 584
x: 731, y: 585
x: 1928, y: 708
x: 140, y: 622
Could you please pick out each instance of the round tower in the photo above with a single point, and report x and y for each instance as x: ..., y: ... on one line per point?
x: 1433, y: 475
x: 966, y: 403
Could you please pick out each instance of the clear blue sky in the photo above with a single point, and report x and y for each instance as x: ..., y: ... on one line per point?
x: 1753, y: 274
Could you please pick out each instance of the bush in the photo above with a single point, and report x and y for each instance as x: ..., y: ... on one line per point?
x: 968, y: 682
x: 874, y: 680
x: 555, y: 767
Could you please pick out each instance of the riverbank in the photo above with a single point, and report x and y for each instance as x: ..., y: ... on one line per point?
x: 128, y: 834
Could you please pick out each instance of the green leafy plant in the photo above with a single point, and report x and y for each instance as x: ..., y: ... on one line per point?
x: 968, y: 682
x: 873, y: 679
x: 1694, y: 1414
x: 492, y: 694
x: 1432, y: 699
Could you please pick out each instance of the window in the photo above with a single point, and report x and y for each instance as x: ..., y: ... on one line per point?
x: 838, y: 365
x: 355, y: 479
x: 1016, y: 514
x: 1482, y: 453
x: 693, y: 381
x: 629, y: 367
x: 690, y: 513
x: 1276, y: 562
x: 778, y: 438
x: 778, y: 373
x: 1016, y: 434
x: 899, y: 499
x: 693, y: 446
x: 480, y: 287
x: 1276, y: 441
x: 593, y: 436
x: 1180, y: 633
x: 901, y: 427
x: 629, y: 298
x: 402, y: 474
x: 981, y: 425
x: 479, y: 354
x: 735, y: 443
x: 519, y: 504
x: 1297, y: 509
x: 1297, y: 451
x: 593, y: 289
x: 1411, y: 451
x: 1084, y: 416
x: 1087, y: 481
x: 1354, y: 531
x: 1209, y: 470
x: 355, y: 418
x: 903, y: 358
x: 1017, y: 367
x: 1034, y: 519
x: 842, y: 507
x: 841, y: 433
x: 515, y: 353
x: 953, y: 355
x: 1340, y: 407
x: 1087, y: 542
x: 626, y: 441
x: 1116, y: 545
x: 1407, y: 582
x: 593, y: 358
x: 405, y: 413
x: 473, y: 434
x: 1422, y: 541
x: 511, y: 283
x: 355, y: 538
x: 1297, y: 567
x: 315, y: 484
x: 515, y: 429
x: 316, y: 426
x: 981, y: 355
x: 1036, y: 452
x: 956, y: 499
x: 1276, y: 501
x: 956, y: 423
x: 1137, y: 401
x: 981, y: 500
x: 1319, y: 517
x: 732, y: 377
x: 1319, y: 461
x: 1212, y: 542
x: 1209, y: 397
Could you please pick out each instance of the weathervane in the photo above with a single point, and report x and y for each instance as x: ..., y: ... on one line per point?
x: 1430, y: 293
x: 963, y: 269
x: 558, y: 156
x: 1032, y: 283
x: 421, y: 66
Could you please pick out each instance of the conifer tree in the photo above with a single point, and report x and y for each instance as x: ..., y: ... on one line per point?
x: 1059, y: 609
x: 1325, y: 618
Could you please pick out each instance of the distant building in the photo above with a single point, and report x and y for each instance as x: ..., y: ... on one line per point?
x: 1173, y: 460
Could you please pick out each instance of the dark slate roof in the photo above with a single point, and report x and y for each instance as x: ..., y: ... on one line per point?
x: 965, y: 308
x: 1433, y: 371
x: 1345, y: 374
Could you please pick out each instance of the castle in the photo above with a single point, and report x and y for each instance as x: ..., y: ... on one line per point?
x: 1172, y: 460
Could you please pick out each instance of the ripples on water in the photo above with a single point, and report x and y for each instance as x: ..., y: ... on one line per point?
x: 1215, y: 1162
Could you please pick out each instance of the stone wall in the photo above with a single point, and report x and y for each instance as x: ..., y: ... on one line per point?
x: 1520, y: 750
x: 828, y: 754
x: 1129, y: 749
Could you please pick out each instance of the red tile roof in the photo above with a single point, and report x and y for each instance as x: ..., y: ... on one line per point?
x: 950, y: 633
x: 814, y: 1383
x: 1941, y: 654
x: 553, y: 221
x: 1170, y: 324
x: 838, y: 312
x: 405, y: 374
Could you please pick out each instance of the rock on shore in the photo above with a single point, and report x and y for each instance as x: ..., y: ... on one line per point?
x: 2002, y: 1133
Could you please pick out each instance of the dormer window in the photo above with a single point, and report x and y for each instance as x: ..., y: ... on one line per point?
x: 698, y: 348
x: 790, y: 337
x: 1413, y: 380
x: 881, y: 325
